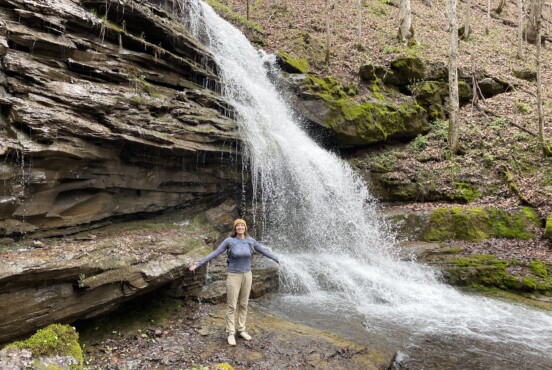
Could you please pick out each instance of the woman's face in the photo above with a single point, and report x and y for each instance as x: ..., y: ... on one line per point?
x: 240, y: 229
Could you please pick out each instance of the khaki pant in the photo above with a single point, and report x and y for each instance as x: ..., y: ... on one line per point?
x: 238, y: 287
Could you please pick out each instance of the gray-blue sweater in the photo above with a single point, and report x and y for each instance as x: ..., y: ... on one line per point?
x: 239, y: 260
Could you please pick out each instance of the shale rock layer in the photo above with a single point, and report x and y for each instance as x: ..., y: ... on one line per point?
x: 104, y: 112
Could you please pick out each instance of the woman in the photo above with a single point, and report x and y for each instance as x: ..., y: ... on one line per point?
x: 240, y: 247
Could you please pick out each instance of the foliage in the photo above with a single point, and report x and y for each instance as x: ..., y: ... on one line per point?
x: 419, y: 143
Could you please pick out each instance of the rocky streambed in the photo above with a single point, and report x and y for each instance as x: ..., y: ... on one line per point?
x: 171, y: 334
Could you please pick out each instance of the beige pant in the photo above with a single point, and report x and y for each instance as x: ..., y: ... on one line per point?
x: 238, y: 287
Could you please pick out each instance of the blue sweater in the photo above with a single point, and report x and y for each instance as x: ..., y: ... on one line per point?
x: 239, y: 260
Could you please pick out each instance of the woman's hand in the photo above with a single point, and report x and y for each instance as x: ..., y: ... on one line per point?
x: 193, y: 266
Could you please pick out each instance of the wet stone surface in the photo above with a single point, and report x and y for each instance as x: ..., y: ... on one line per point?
x: 171, y: 334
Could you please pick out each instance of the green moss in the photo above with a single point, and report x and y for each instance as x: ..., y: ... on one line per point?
x: 55, y: 339
x: 548, y: 228
x: 454, y: 250
x: 464, y: 91
x: 466, y: 192
x: 529, y: 283
x: 295, y: 65
x: 539, y: 268
x: 484, y: 269
x: 476, y: 224
x: 224, y: 366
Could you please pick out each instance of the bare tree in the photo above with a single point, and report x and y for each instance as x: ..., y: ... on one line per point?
x: 454, y: 130
x: 530, y: 30
x: 327, y: 6
x: 520, y: 29
x: 538, y: 25
x: 466, y: 28
x: 247, y: 10
x: 406, y: 31
x: 488, y: 24
x: 359, y: 36
x: 501, y: 6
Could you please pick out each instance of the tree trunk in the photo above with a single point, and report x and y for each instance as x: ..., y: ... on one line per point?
x: 530, y: 30
x: 359, y: 36
x: 406, y: 33
x: 501, y: 6
x: 327, y: 7
x: 538, y: 26
x: 467, y: 21
x: 488, y: 25
x: 454, y: 131
x: 520, y: 30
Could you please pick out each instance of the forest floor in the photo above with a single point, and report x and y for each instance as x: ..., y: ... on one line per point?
x: 493, y: 144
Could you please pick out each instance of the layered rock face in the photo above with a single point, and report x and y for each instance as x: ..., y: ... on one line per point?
x: 103, y: 112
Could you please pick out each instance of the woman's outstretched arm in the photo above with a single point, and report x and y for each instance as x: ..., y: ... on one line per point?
x: 221, y: 248
x: 259, y: 248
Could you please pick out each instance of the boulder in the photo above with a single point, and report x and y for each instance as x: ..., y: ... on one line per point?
x: 402, y: 71
x: 490, y: 87
x: 525, y: 74
x: 54, y: 347
x: 470, y: 224
x: 290, y: 64
x: 330, y: 105
x: 370, y: 72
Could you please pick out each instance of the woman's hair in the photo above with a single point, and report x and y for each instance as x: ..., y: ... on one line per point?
x: 236, y: 222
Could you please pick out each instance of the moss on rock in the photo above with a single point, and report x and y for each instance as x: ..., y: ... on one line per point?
x: 371, y: 122
x: 548, y: 228
x: 360, y: 123
x: 406, y: 70
x: 478, y: 224
x: 488, y: 271
x: 54, y: 340
x: 291, y: 64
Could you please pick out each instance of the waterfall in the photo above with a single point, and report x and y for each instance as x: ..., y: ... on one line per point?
x: 319, y: 216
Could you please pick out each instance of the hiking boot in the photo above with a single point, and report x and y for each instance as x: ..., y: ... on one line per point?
x: 245, y: 336
x: 231, y: 340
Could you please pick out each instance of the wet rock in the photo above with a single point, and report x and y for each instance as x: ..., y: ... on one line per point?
x: 86, y: 277
x: 103, y: 119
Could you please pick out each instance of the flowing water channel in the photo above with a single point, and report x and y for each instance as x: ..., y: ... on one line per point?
x: 339, y: 267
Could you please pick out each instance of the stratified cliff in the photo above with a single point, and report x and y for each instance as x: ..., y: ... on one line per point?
x: 104, y: 111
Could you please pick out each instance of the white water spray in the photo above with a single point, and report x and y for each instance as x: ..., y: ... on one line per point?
x: 321, y: 218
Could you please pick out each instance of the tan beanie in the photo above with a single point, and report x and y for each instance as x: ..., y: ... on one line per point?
x: 240, y: 221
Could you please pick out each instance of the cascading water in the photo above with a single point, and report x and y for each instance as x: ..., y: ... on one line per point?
x: 319, y: 216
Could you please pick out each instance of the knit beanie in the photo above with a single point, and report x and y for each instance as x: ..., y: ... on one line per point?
x: 240, y: 221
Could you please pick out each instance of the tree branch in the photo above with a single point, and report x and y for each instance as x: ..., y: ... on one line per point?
x: 491, y: 113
